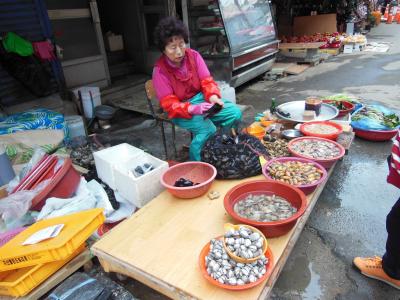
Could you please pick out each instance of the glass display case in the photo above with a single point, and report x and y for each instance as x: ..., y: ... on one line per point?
x: 237, y: 38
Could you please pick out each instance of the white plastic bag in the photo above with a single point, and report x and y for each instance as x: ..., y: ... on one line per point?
x: 13, y: 208
x: 126, y: 209
x: 88, y: 195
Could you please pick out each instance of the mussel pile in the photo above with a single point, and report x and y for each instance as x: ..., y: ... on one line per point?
x: 234, y: 157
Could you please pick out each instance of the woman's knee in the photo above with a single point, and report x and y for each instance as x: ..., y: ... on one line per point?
x: 237, y: 113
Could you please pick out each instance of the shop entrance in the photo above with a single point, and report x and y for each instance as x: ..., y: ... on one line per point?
x: 127, y: 28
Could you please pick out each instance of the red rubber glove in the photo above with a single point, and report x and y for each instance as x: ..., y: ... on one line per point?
x: 209, y: 87
x: 199, y: 109
x: 175, y: 108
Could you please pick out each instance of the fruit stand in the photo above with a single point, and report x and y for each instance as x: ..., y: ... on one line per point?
x: 160, y: 244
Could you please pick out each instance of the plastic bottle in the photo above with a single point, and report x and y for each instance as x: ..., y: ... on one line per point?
x: 6, y: 170
x: 272, y: 108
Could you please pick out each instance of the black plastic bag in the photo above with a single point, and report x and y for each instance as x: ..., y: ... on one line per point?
x: 80, y: 286
x: 28, y: 70
x: 234, y: 156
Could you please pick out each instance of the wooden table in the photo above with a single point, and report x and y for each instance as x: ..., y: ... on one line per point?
x: 160, y: 244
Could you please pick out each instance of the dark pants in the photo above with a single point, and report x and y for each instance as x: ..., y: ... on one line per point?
x: 391, y: 259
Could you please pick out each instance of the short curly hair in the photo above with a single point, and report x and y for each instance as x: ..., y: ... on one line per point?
x: 166, y: 29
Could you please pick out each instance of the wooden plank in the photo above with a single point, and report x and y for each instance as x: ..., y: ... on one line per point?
x: 58, y: 277
x: 80, y: 169
x: 301, y: 45
x: 308, y: 25
x: 283, y: 66
x: 296, y: 69
x: 63, y: 14
x: 159, y: 245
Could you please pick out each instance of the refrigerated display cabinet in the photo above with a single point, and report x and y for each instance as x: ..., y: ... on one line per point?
x: 237, y: 38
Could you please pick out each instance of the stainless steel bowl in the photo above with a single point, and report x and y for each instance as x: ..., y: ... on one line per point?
x: 290, y: 134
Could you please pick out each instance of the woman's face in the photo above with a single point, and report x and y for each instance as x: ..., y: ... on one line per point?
x: 175, y: 49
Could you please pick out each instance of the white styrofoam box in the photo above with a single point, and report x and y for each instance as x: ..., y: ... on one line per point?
x: 140, y: 190
x: 106, y: 160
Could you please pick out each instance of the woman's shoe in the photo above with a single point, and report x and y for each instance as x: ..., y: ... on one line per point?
x: 372, y: 268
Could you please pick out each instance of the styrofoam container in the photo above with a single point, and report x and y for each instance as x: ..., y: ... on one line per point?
x: 106, y: 160
x: 140, y: 190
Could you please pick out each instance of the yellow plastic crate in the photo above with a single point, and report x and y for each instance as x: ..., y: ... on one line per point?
x: 77, y: 229
x: 20, y: 282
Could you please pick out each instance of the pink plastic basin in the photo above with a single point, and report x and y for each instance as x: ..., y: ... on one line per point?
x: 198, y: 172
x: 326, y: 163
x: 306, y: 188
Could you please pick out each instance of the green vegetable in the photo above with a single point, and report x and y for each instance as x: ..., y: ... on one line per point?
x: 391, y: 121
x: 344, y: 97
x: 338, y: 104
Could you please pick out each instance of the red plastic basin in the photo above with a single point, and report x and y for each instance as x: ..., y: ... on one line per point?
x: 306, y: 188
x: 270, y: 229
x: 326, y: 163
x: 342, y: 112
x: 375, y: 135
x: 63, y: 184
x: 332, y: 136
x: 198, y: 172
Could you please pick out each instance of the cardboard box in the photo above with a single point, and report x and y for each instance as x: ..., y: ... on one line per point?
x: 3, y: 191
x: 114, y: 42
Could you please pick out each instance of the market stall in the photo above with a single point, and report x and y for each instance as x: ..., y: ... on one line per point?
x: 164, y: 244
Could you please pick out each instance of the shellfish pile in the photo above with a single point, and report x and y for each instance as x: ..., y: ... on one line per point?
x: 295, y: 172
x: 264, y: 208
x: 244, y: 242
x: 234, y: 157
x: 227, y: 271
x: 316, y: 149
x: 277, y: 148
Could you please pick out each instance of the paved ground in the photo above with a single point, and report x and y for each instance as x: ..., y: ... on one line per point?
x: 349, y: 218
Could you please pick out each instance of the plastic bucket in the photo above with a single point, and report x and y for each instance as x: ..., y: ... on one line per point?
x: 227, y: 92
x: 87, y: 103
x: 75, y: 126
x: 6, y: 170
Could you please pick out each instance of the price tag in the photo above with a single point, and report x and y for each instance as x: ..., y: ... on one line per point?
x: 44, y: 234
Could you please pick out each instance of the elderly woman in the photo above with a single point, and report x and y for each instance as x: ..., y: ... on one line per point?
x: 186, y: 89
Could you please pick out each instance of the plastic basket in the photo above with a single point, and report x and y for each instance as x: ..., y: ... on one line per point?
x: 20, y: 282
x: 77, y: 229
